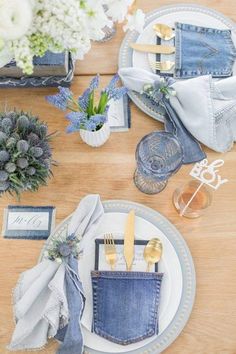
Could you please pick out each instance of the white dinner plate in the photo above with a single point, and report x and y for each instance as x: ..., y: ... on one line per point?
x: 171, y: 286
x: 185, y: 13
x: 178, y: 287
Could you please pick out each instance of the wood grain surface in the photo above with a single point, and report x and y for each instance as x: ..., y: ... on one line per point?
x: 109, y: 171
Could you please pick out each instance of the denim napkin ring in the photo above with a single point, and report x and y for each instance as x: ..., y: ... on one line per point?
x: 203, y: 51
x: 125, y: 305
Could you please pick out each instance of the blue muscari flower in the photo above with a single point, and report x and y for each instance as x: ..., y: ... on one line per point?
x: 95, y: 121
x: 77, y: 119
x: 60, y: 99
x: 94, y: 83
x: 112, y: 84
x: 73, y: 128
x: 90, y: 125
x: 84, y: 100
x: 99, y: 119
x: 117, y: 93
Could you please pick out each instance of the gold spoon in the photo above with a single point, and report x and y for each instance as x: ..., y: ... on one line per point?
x: 152, y: 252
x: 163, y: 31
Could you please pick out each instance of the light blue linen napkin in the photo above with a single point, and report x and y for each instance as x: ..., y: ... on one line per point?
x: 49, y: 299
x: 206, y: 108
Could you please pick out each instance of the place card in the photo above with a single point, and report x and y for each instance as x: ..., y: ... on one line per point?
x: 27, y: 222
x: 139, y: 263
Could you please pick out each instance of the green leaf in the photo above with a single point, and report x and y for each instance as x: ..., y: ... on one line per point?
x: 102, y: 103
x: 91, y: 104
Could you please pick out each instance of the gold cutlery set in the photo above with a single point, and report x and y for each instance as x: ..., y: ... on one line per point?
x: 152, y: 252
x: 166, y: 33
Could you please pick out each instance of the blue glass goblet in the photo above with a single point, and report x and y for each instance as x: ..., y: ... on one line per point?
x: 158, y: 155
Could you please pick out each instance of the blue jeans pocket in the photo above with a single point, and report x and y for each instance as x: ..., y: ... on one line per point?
x: 203, y: 51
x: 125, y: 305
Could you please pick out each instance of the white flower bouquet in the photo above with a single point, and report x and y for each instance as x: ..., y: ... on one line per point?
x: 29, y: 28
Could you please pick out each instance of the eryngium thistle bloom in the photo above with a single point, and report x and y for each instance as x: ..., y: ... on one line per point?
x: 25, y: 152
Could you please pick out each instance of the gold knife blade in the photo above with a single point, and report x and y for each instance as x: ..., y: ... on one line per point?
x: 129, y: 240
x: 153, y: 48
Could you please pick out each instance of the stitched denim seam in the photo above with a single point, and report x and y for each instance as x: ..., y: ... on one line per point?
x: 147, y: 334
x: 183, y: 73
x: 152, y: 324
x: 210, y: 91
x: 178, y: 49
x: 219, y: 113
x: 126, y: 275
x: 153, y: 317
x: 194, y: 28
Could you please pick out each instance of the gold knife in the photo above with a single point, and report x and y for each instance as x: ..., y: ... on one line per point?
x: 153, y: 48
x: 129, y: 240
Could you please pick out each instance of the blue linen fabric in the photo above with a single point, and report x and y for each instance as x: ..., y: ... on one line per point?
x: 71, y: 335
x: 125, y: 305
x: 192, y: 151
x: 203, y: 51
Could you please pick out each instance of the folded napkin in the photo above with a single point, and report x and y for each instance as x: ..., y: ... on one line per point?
x: 49, y: 299
x: 206, y: 108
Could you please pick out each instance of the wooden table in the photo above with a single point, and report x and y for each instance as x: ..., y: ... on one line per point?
x: 109, y: 171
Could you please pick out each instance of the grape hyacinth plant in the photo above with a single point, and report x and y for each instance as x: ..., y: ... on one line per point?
x: 85, y: 113
x: 25, y: 152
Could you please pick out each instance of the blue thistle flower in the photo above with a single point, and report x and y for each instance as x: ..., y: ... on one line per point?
x: 31, y: 171
x: 3, y: 176
x: 6, y: 124
x: 22, y: 163
x: 22, y: 146
x: 3, y: 137
x: 4, y: 156
x: 10, y: 167
x: 23, y: 122
x: 36, y: 151
x: 4, y: 186
x: 11, y: 142
x: 33, y: 139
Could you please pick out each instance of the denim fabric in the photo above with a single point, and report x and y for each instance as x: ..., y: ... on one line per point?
x: 203, y: 51
x: 125, y: 305
x: 192, y: 151
x: 71, y: 335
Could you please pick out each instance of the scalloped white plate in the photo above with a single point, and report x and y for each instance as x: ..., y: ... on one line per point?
x: 179, y: 282
x: 186, y: 13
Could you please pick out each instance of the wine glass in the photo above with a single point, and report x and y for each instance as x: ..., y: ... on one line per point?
x: 158, y: 155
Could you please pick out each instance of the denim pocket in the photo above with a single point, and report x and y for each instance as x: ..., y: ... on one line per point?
x: 125, y: 305
x: 203, y: 51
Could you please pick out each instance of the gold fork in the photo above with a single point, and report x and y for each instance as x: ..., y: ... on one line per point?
x: 162, y: 65
x: 110, y: 250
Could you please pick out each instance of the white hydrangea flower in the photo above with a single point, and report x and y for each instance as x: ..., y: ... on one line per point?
x: 135, y: 21
x: 6, y: 54
x: 117, y: 9
x: 15, y: 18
x: 97, y: 20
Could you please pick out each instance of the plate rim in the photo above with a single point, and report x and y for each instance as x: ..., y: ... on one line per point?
x: 133, y: 35
x: 183, y: 313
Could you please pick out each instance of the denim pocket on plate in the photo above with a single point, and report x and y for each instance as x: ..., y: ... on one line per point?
x: 203, y: 51
x: 125, y: 305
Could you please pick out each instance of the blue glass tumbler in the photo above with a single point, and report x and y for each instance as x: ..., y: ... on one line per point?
x: 158, y: 155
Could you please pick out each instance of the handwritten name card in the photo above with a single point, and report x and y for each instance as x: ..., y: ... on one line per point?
x: 28, y: 222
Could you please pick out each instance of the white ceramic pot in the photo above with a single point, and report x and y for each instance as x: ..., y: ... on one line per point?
x: 97, y: 138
